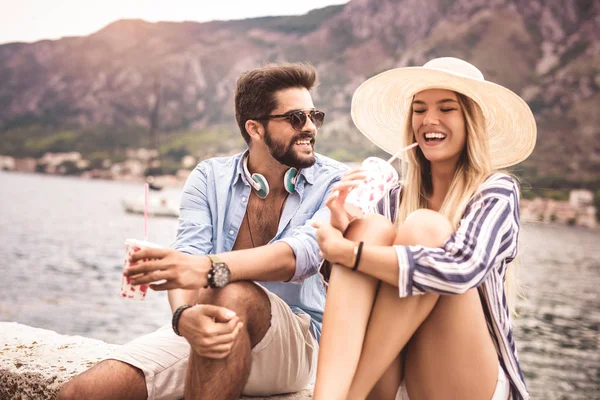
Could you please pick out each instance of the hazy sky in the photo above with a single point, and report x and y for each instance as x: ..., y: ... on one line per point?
x: 31, y: 20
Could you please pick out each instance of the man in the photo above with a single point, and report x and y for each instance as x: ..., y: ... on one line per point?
x: 244, y: 219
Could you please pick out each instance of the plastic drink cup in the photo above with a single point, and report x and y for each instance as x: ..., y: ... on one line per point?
x: 129, y: 291
x: 380, y: 177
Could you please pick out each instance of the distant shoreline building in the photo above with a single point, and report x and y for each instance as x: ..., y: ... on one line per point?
x: 134, y: 168
x: 579, y: 210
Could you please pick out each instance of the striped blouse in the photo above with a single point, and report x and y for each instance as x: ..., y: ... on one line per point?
x: 476, y: 255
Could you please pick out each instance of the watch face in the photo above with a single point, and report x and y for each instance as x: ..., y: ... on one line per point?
x: 221, y: 275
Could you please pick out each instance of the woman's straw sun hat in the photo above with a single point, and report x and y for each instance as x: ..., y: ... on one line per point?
x: 381, y: 105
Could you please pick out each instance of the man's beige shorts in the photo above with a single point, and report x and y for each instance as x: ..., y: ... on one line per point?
x: 284, y: 361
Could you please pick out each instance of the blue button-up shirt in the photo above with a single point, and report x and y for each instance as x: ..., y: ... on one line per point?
x: 213, y: 205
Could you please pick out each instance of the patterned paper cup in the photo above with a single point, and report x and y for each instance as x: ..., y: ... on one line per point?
x: 129, y: 291
x: 381, y: 176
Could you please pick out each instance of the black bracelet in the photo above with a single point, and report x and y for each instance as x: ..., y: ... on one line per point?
x: 358, y: 252
x: 176, y: 315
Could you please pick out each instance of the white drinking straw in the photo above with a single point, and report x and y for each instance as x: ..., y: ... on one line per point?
x: 392, y: 158
x: 146, y: 190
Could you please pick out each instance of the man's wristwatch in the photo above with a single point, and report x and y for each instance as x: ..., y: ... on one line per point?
x: 219, y: 274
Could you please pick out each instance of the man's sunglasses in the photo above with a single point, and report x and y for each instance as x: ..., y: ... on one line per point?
x: 298, y: 118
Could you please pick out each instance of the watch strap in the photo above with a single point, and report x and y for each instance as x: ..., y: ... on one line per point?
x: 214, y: 259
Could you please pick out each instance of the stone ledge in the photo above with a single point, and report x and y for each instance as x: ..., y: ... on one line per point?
x: 34, y: 362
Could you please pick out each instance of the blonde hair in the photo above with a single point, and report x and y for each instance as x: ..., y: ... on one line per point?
x: 473, y: 168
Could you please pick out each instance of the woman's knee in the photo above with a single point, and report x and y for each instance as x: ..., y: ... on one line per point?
x: 426, y: 228
x: 372, y: 229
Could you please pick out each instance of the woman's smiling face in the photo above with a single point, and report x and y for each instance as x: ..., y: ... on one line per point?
x: 438, y: 124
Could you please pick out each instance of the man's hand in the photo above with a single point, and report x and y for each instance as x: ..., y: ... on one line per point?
x: 181, y: 271
x: 210, y: 330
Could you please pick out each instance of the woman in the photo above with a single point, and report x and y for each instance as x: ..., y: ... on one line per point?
x: 416, y: 304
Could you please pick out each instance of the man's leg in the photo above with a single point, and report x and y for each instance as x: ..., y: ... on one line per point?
x: 126, y: 383
x: 285, y: 360
x: 225, y: 378
x: 151, y: 366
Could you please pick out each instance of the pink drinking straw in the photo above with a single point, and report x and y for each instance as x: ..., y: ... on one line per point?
x: 410, y: 146
x: 146, y: 190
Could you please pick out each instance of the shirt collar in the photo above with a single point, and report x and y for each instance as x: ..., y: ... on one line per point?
x: 307, y: 173
x: 239, y: 175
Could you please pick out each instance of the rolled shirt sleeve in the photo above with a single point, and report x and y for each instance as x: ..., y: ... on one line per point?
x: 487, y: 235
x: 194, y: 232
x: 305, y: 247
x: 304, y: 242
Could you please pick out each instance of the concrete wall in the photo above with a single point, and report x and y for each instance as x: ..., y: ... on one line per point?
x: 34, y: 362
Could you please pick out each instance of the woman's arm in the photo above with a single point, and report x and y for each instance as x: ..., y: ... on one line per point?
x: 487, y: 234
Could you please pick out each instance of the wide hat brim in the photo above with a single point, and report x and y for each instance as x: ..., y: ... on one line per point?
x: 380, y: 107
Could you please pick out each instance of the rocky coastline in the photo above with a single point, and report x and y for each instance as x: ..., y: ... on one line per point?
x: 34, y: 363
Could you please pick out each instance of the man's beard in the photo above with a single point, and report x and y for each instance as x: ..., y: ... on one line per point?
x: 287, y: 155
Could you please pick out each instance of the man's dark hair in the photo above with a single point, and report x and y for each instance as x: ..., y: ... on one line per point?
x: 255, y: 92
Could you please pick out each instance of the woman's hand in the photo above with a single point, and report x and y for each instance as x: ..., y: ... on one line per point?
x: 340, y: 218
x: 333, y: 246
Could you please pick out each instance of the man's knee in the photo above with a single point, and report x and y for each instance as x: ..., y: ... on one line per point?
x: 237, y: 296
x: 248, y: 301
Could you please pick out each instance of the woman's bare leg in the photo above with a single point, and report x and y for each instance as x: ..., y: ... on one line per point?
x: 392, y: 323
x: 389, y: 382
x: 402, y: 316
x: 350, y: 297
x: 450, y: 355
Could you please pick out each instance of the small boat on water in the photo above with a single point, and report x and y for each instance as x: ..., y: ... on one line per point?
x: 160, y: 207
x: 153, y: 186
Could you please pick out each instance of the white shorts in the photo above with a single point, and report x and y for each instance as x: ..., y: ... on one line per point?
x: 502, y: 391
x: 284, y: 361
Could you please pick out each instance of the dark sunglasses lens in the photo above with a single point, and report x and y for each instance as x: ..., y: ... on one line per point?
x: 317, y: 118
x: 298, y: 120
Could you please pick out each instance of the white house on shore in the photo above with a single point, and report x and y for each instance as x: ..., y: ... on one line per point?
x: 7, y: 163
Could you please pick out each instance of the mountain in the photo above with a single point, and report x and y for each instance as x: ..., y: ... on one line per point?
x: 171, y: 85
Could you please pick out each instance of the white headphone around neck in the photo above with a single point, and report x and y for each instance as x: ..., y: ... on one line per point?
x: 260, y: 184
